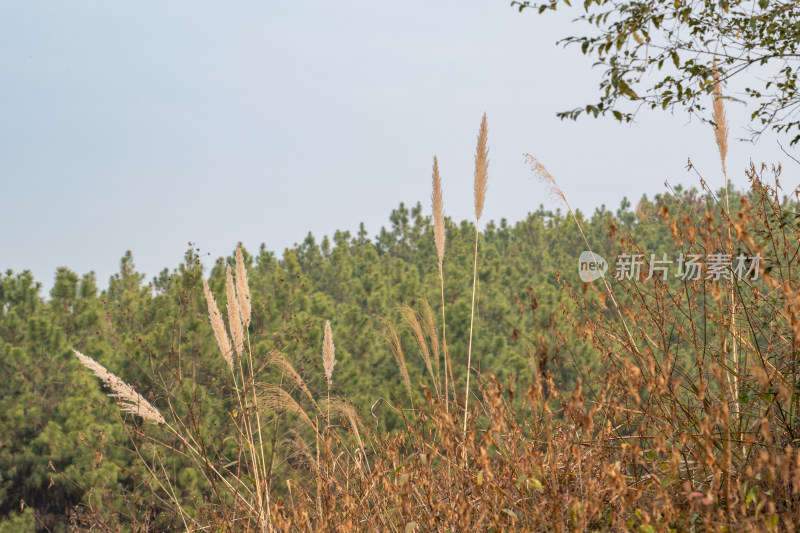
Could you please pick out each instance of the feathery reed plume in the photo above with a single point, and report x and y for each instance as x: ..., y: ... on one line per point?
x: 132, y: 401
x: 234, y: 317
x: 481, y: 179
x: 277, y: 399
x: 438, y: 213
x: 345, y: 410
x: 277, y: 359
x: 430, y: 325
x: 397, y: 351
x: 544, y: 176
x: 328, y: 357
x: 218, y: 326
x: 481, y: 168
x: 242, y: 289
x: 720, y: 123
x: 411, y: 319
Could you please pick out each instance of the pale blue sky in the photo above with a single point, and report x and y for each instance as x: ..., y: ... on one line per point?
x: 144, y: 125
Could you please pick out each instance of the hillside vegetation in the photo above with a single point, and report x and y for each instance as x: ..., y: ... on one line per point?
x: 70, y: 456
x: 432, y: 378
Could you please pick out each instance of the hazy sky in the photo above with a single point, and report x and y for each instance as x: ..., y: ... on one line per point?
x: 145, y: 125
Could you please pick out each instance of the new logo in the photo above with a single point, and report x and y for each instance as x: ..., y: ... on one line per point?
x: 591, y: 266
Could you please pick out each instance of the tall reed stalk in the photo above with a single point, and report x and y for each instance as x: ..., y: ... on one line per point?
x: 481, y: 177
x: 731, y: 375
x: 439, y: 237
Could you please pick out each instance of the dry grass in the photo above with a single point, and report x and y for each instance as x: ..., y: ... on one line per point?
x: 654, y: 443
x: 397, y: 350
x: 413, y: 322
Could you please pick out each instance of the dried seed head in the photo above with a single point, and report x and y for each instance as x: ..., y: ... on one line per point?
x: 438, y: 213
x: 234, y: 317
x: 544, y: 176
x: 412, y: 321
x: 242, y: 289
x: 720, y: 121
x: 481, y: 168
x: 218, y: 326
x: 277, y: 399
x: 328, y: 357
x: 397, y: 350
x: 132, y: 401
x: 280, y: 361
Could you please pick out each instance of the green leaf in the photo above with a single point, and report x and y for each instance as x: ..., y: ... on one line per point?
x: 752, y: 496
x: 625, y: 89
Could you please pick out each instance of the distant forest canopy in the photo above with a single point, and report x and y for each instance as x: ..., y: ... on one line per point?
x: 55, y: 416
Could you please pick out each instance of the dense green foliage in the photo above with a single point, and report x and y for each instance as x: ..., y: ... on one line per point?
x: 660, y: 54
x: 61, y: 440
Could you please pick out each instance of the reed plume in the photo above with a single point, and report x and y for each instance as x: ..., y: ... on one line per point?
x: 347, y: 411
x: 132, y: 401
x: 544, y: 176
x: 278, y: 360
x: 218, y: 326
x: 328, y: 361
x: 412, y: 320
x: 242, y: 289
x: 430, y: 325
x: 438, y: 213
x: 397, y: 351
x: 481, y: 168
x: 328, y: 357
x: 481, y: 183
x: 234, y: 316
x: 720, y: 124
x: 276, y: 399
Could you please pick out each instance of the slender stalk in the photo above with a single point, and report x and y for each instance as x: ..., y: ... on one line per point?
x: 730, y: 378
x: 440, y: 235
x: 721, y: 136
x: 471, y: 325
x: 448, y: 369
